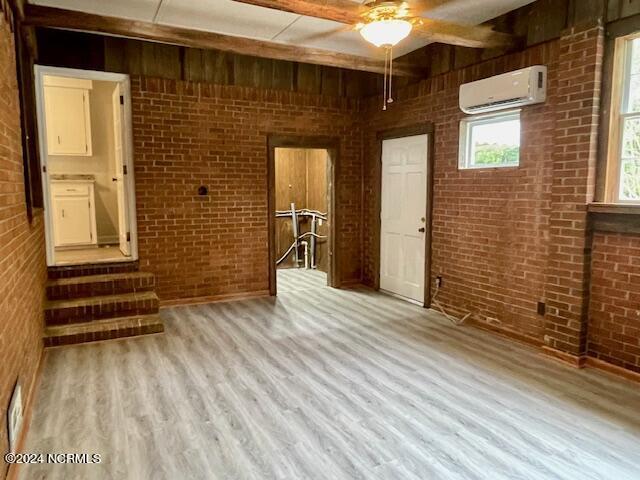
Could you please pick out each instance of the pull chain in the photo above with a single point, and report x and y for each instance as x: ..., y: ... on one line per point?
x: 384, y: 94
x: 390, y: 100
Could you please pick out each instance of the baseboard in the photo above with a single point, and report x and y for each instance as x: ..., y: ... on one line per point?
x: 574, y: 361
x: 12, y: 472
x: 229, y: 297
x: 504, y: 332
x: 593, y: 362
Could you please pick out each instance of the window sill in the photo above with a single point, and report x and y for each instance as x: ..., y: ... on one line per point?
x: 615, y: 208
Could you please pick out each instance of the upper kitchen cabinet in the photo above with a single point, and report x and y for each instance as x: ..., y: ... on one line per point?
x: 68, y: 116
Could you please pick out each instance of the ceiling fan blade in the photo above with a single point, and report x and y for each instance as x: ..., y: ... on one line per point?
x: 343, y: 11
x: 462, y: 35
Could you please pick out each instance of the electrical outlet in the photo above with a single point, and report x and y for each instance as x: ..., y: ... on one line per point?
x: 15, y: 417
x: 439, y: 281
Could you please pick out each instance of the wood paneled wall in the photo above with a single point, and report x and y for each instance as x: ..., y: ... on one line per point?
x: 136, y: 57
x: 534, y: 23
x: 301, y: 177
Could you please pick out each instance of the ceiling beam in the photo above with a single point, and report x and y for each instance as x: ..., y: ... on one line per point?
x: 39, y: 16
x: 345, y: 11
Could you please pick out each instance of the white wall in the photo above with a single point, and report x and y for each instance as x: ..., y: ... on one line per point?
x: 101, y: 163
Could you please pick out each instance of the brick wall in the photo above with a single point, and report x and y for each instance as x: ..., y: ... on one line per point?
x: 191, y: 134
x: 574, y: 161
x: 22, y: 265
x: 614, y: 326
x: 504, y: 239
x: 490, y: 227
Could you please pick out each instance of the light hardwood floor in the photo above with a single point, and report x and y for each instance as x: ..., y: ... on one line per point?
x: 298, y: 279
x: 328, y: 384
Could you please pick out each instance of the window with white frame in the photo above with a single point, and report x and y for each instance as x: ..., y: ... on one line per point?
x: 490, y: 141
x: 623, y: 172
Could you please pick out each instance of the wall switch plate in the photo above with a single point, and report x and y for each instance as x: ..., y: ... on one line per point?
x: 14, y: 417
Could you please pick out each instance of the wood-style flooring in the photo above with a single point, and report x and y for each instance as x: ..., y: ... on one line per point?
x: 298, y: 279
x: 329, y: 384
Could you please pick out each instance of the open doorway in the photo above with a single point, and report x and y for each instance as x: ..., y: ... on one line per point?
x: 85, y: 151
x: 303, y: 223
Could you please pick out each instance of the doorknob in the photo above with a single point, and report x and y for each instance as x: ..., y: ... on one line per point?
x: 422, y: 230
x: 113, y: 179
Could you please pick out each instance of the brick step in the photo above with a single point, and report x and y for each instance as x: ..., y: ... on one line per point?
x: 69, y: 271
x: 102, y: 330
x: 92, y: 285
x: 79, y: 310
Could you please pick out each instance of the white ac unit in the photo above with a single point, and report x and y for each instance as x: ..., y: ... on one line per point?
x: 513, y: 89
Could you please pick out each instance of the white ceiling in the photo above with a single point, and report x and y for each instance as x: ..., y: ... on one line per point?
x: 233, y: 18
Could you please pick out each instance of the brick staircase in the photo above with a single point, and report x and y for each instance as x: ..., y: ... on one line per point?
x: 88, y: 303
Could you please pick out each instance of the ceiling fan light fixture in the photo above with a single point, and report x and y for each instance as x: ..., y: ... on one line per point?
x: 386, y: 33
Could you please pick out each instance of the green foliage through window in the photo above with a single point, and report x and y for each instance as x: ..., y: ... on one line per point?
x: 494, y: 154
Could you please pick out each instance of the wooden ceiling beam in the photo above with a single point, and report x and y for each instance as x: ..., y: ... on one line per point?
x: 39, y: 16
x: 342, y: 11
x: 345, y: 11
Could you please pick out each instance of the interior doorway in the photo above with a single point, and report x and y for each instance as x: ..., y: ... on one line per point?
x: 84, y: 124
x: 405, y: 206
x: 302, y: 211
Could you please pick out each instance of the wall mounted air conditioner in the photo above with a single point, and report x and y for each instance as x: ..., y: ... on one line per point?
x: 513, y: 89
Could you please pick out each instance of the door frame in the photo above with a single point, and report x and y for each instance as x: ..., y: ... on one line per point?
x: 390, y: 134
x: 39, y: 72
x: 332, y: 146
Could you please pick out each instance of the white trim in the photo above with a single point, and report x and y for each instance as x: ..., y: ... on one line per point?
x: 623, y: 115
x: 40, y: 71
x: 464, y: 147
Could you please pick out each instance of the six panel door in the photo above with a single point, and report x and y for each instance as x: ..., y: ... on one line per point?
x: 403, y: 216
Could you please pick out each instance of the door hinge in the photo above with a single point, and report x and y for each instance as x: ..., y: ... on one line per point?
x: 124, y: 169
x: 128, y: 236
x: 121, y: 99
x: 44, y: 169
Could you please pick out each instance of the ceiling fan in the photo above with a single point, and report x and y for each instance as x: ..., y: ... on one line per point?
x: 384, y: 23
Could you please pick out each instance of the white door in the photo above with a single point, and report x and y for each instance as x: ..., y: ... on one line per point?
x: 118, y: 136
x: 403, y: 216
x: 72, y: 221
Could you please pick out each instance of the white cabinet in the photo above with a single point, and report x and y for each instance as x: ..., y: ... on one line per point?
x: 74, y: 218
x: 67, y: 116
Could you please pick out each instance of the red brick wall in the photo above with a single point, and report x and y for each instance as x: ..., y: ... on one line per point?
x: 504, y: 239
x: 191, y: 134
x: 22, y: 264
x: 490, y: 227
x: 614, y: 327
x: 574, y: 160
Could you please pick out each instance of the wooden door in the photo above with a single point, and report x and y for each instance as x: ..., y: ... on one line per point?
x: 403, y: 216
x: 118, y: 136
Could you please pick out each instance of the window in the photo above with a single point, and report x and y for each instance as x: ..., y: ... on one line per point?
x: 490, y: 141
x: 623, y: 178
